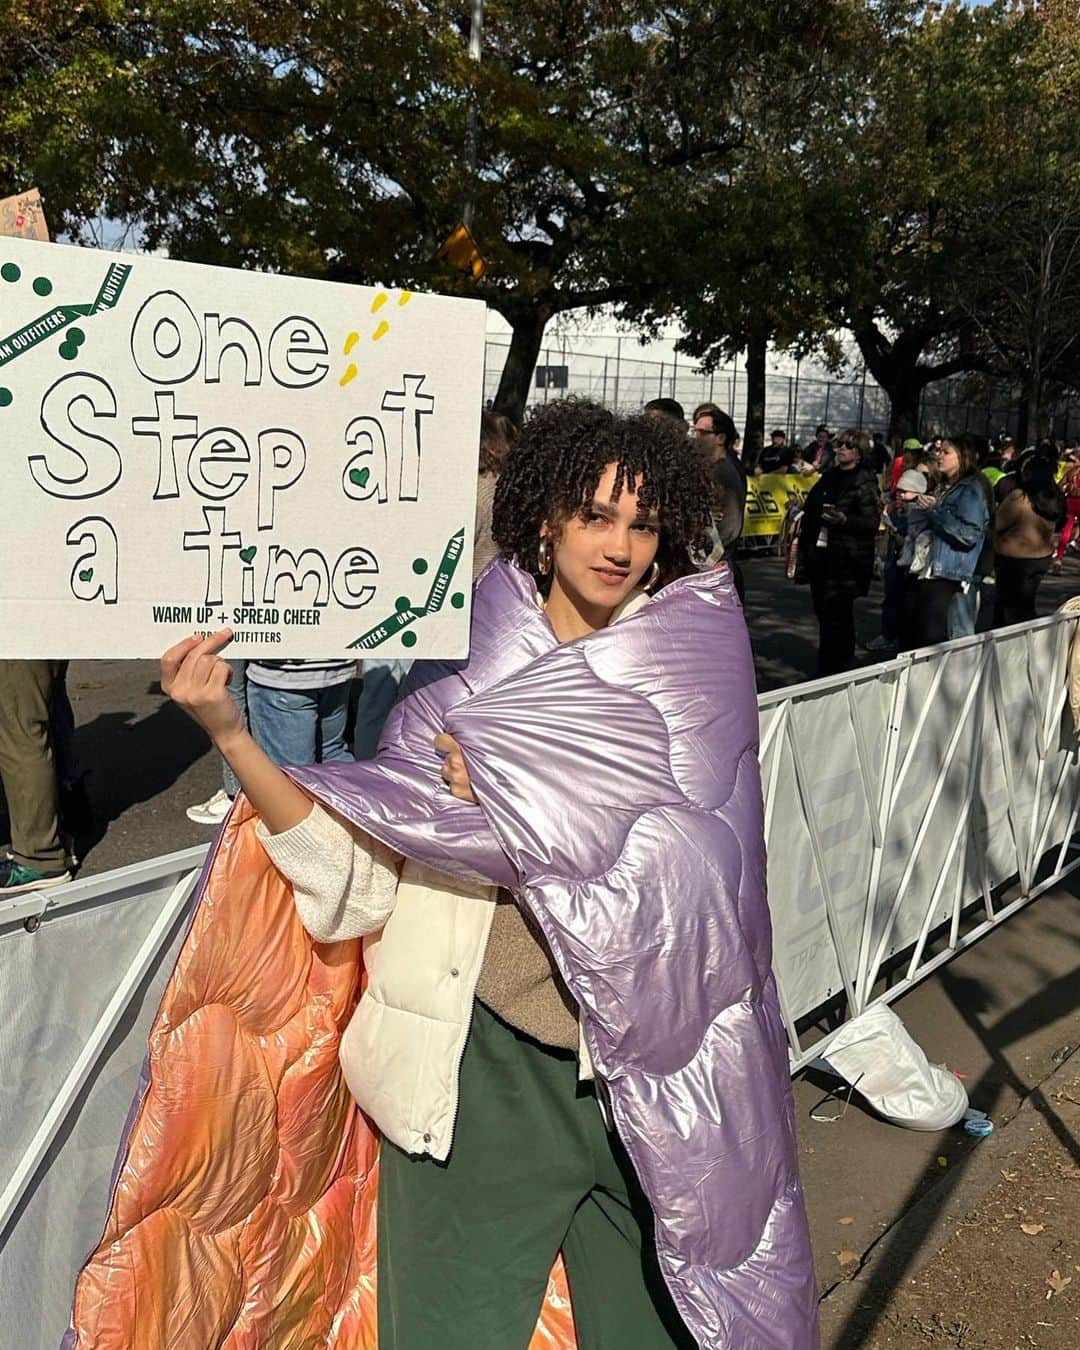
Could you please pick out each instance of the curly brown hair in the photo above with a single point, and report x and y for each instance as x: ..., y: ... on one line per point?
x: 555, y: 465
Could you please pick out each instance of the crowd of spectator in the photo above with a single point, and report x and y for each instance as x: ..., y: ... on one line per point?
x: 948, y: 519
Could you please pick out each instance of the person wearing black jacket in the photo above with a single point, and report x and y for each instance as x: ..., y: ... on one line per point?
x: 836, y: 548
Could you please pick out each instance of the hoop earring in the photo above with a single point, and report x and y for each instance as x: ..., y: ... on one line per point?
x: 544, y: 560
x: 654, y: 577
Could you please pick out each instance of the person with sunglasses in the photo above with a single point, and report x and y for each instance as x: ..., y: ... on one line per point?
x: 836, y: 548
x: 714, y: 433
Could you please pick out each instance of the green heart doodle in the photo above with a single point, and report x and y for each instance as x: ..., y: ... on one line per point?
x: 359, y: 477
x: 88, y: 575
x: 248, y: 553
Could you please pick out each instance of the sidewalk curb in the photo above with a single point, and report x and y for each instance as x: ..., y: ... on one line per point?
x: 919, y: 1234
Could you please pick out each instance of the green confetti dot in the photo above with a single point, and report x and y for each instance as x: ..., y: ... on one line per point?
x: 408, y: 639
x: 402, y: 603
x: 457, y: 600
x: 10, y: 272
x: 42, y: 286
x: 5, y: 398
x: 419, y: 566
x: 77, y: 336
x: 68, y: 351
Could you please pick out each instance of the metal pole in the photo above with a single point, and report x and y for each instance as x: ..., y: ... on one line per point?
x: 660, y: 387
x: 618, y: 367
x: 547, y: 373
x: 603, y: 396
x: 795, y: 407
x: 475, y: 32
x: 734, y: 384
x: 862, y: 396
x: 675, y: 375
x: 828, y: 396
x: 787, y: 420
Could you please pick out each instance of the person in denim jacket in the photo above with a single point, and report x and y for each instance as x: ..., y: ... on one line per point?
x: 958, y: 520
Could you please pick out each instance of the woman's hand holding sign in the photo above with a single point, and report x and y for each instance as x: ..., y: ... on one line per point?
x: 195, y: 677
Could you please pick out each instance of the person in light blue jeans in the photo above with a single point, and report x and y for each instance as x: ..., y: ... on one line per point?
x: 382, y: 681
x: 298, y: 709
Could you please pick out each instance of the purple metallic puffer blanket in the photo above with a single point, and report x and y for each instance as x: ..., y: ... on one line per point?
x: 620, y: 800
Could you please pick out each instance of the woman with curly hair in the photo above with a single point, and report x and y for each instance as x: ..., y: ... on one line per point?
x: 474, y: 1044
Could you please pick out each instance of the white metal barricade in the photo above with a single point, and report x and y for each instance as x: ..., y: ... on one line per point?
x: 900, y: 802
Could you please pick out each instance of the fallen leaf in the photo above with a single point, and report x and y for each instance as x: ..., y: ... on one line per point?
x: 942, y: 1161
x: 846, y: 1219
x: 848, y: 1258
x: 1009, y: 1176
x: 1031, y: 1229
x: 1057, y: 1281
x: 90, y: 684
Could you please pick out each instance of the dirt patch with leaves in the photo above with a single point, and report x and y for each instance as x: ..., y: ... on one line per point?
x: 1009, y: 1277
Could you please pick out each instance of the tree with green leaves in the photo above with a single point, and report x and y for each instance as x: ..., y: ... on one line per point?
x: 326, y: 139
x: 751, y: 277
x: 913, y: 164
x: 1020, y: 290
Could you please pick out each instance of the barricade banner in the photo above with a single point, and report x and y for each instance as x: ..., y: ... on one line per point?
x: 767, y: 500
x: 193, y: 447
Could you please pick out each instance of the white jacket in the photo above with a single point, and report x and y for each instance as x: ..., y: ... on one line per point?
x: 425, y: 935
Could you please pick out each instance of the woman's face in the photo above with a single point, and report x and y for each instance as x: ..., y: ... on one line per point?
x: 948, y: 462
x: 606, y: 550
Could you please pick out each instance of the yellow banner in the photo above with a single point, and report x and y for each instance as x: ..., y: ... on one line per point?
x: 767, y: 498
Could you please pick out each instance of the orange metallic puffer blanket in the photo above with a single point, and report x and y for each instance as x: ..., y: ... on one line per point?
x: 243, y: 1213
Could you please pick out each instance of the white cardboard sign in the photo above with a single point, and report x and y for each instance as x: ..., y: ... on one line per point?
x: 187, y: 447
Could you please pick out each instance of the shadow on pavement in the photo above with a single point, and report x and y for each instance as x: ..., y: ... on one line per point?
x: 130, y: 760
x: 901, y: 1249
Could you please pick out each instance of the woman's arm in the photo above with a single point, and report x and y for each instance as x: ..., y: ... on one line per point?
x: 961, y: 518
x: 194, y: 676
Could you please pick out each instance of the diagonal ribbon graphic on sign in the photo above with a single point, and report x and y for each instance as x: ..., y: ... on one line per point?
x: 45, y: 325
x: 393, y: 625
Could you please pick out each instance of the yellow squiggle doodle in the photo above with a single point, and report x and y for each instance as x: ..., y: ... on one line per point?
x: 380, y: 332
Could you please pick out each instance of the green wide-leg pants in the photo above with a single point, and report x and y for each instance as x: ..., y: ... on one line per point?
x: 466, y: 1246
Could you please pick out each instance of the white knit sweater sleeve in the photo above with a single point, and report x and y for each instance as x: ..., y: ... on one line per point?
x: 344, y: 881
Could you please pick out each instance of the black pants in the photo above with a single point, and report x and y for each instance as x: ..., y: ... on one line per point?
x: 834, y: 605
x: 1017, y: 584
x: 924, y: 610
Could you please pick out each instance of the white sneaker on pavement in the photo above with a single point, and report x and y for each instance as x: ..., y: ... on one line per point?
x: 211, y: 812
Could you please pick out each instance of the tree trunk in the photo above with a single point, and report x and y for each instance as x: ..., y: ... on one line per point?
x: 895, y: 366
x: 754, y: 430
x: 1029, y: 432
x: 525, y: 341
x: 904, y: 410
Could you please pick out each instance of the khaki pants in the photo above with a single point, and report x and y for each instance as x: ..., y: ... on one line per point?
x: 27, y: 766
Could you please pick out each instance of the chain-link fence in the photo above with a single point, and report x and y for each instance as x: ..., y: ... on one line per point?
x: 796, y: 401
